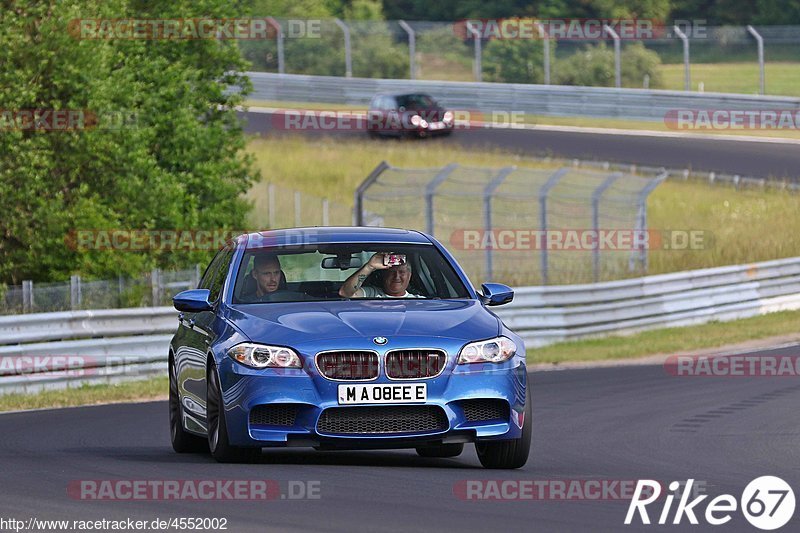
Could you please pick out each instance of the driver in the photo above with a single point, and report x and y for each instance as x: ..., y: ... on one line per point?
x: 395, y: 281
x: 267, y: 273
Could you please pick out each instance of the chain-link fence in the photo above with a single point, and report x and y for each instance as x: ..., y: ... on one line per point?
x: 155, y: 289
x: 524, y: 226
x: 277, y: 206
x: 687, y: 55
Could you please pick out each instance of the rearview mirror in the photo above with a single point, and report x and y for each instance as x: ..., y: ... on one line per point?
x: 342, y: 262
x: 193, y: 300
x: 496, y: 294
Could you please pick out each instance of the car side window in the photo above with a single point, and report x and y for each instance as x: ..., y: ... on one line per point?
x: 213, y: 266
x: 388, y: 102
x: 217, y: 280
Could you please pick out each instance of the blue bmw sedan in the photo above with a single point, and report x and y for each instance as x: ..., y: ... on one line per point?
x: 346, y: 338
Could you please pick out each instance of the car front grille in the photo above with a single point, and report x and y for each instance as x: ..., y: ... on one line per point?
x: 348, y: 365
x: 279, y: 414
x: 485, y: 410
x: 382, y: 420
x: 415, y: 364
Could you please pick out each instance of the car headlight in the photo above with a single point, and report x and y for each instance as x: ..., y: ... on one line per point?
x: 448, y: 116
x: 417, y: 120
x: 494, y: 350
x: 264, y: 356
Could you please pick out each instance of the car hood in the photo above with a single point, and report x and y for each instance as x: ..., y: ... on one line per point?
x: 300, y: 322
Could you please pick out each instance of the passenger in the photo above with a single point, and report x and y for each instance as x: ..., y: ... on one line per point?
x: 395, y: 281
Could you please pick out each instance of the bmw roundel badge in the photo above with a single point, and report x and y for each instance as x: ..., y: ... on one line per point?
x: 380, y: 340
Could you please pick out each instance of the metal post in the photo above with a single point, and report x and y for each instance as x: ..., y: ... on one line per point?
x: 546, y: 40
x: 596, y: 195
x: 641, y: 200
x: 488, y: 192
x: 476, y: 66
x: 279, y: 38
x: 348, y: 58
x: 75, y: 296
x: 27, y: 296
x: 271, y: 205
x: 155, y: 286
x: 196, y: 276
x: 297, y: 214
x: 687, y: 80
x: 617, y: 56
x: 430, y: 189
x: 760, y: 40
x: 325, y: 213
x: 412, y: 49
x: 358, y: 204
x: 543, y: 192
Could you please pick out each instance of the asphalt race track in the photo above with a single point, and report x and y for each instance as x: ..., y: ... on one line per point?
x: 621, y: 423
x: 756, y: 159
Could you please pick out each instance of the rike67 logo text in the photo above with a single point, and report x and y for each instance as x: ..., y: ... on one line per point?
x: 767, y: 503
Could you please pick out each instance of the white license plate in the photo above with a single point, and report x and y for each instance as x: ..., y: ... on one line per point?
x: 437, y: 125
x: 388, y: 393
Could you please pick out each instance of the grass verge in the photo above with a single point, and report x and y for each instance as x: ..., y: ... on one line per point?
x: 738, y: 226
x: 149, y: 389
x: 670, y: 340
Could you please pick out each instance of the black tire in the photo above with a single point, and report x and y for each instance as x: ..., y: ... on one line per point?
x: 218, y: 443
x: 442, y: 450
x: 513, y: 453
x: 182, y: 440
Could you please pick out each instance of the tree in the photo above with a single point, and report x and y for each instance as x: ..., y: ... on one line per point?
x: 175, y: 162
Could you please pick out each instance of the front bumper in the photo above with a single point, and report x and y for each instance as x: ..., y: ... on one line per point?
x: 306, y: 395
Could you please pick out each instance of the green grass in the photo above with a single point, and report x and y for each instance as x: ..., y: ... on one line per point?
x: 781, y: 78
x: 670, y: 341
x: 150, y: 389
x: 741, y: 226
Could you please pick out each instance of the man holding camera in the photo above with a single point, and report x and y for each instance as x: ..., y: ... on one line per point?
x: 395, y: 279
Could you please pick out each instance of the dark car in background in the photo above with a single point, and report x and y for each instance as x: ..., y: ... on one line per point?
x: 408, y: 115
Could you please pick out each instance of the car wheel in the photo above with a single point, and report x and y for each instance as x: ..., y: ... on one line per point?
x: 442, y: 450
x: 218, y: 443
x: 182, y: 440
x: 511, y: 453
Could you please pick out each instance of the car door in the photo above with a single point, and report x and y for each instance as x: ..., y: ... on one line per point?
x: 197, y: 337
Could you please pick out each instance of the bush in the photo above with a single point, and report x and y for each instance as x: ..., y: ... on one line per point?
x: 594, y: 66
x: 514, y: 61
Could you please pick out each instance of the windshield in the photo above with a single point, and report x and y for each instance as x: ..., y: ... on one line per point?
x: 415, y: 101
x: 317, y: 272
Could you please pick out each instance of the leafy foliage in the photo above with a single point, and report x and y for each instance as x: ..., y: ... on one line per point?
x: 595, y: 66
x: 175, y: 162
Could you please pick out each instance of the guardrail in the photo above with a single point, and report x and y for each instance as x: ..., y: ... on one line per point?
x: 545, y: 315
x: 99, y: 346
x: 555, y: 100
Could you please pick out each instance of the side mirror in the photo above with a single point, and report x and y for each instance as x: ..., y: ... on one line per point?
x: 496, y: 294
x: 193, y: 300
